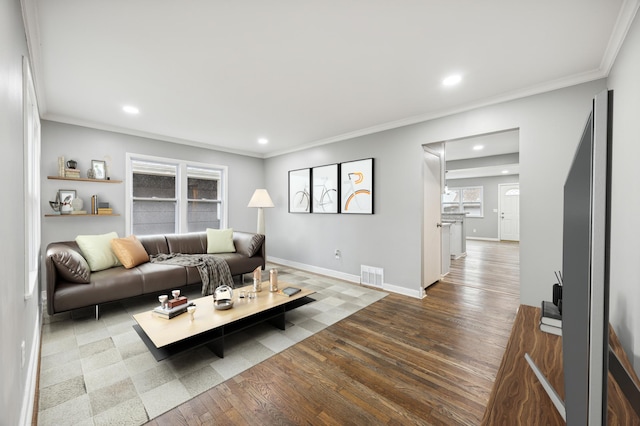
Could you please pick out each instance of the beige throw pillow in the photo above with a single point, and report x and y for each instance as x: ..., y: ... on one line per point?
x: 129, y: 251
x: 96, y: 249
x: 220, y: 241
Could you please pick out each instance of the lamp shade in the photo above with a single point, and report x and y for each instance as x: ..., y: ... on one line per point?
x: 260, y: 198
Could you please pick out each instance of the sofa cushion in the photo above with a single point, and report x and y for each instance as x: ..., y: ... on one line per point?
x: 154, y: 244
x: 97, y: 250
x: 220, y: 241
x: 248, y: 244
x: 71, y: 266
x: 129, y: 251
x: 189, y: 243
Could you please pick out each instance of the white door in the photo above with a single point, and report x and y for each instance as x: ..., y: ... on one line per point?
x: 432, y: 219
x: 509, y: 211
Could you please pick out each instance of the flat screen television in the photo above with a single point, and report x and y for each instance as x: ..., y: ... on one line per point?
x: 585, y: 271
x: 586, y: 353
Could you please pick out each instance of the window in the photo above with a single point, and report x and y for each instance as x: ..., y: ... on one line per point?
x: 171, y: 196
x: 31, y: 181
x: 463, y: 200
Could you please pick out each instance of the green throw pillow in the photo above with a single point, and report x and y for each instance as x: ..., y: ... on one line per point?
x: 97, y: 250
x: 220, y: 241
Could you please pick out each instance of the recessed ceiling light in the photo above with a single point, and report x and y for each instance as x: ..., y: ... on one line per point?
x: 504, y: 172
x: 478, y: 147
x: 130, y: 109
x: 452, y: 80
x: 263, y: 141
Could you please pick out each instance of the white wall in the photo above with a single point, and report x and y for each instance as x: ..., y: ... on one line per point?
x: 624, y: 312
x: 19, y: 318
x: 84, y: 144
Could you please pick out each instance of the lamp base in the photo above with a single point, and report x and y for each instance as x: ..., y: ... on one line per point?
x: 260, y: 220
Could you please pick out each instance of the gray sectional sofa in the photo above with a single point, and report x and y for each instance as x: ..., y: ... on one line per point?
x: 70, y: 284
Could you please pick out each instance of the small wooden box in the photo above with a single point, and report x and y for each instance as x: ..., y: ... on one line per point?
x: 177, y: 302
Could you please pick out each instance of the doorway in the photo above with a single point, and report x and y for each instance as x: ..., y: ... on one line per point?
x: 488, y: 161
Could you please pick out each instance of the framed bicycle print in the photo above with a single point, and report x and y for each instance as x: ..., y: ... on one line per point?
x: 300, y: 191
x: 356, y: 180
x: 325, y: 189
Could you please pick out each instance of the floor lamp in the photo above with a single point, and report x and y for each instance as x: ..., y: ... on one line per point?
x: 261, y: 200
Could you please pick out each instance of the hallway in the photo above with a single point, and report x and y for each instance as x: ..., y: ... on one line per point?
x: 489, y: 265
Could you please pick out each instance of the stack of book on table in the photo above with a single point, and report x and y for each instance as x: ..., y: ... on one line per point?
x: 173, y: 308
x: 550, y: 318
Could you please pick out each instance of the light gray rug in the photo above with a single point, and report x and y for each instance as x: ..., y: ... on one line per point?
x: 100, y: 373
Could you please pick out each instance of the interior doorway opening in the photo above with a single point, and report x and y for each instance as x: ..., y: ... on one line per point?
x: 474, y: 171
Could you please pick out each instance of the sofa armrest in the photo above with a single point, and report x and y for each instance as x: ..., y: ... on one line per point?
x: 248, y: 244
x: 64, y: 261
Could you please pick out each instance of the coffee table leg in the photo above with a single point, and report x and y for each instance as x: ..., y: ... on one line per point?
x: 278, y: 321
x: 217, y: 346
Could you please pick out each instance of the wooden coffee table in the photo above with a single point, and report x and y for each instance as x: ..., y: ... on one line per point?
x: 165, y: 337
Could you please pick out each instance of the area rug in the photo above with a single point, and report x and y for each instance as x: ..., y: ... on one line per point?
x: 101, y: 373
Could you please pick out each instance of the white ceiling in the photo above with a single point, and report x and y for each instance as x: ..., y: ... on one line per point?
x: 500, y: 143
x: 506, y: 142
x: 302, y: 73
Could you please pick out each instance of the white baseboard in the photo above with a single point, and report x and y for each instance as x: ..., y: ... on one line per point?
x: 316, y: 270
x: 344, y: 276
x: 483, y: 239
x: 28, y: 398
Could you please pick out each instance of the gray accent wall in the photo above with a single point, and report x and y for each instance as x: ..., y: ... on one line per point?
x: 19, y: 318
x: 488, y: 225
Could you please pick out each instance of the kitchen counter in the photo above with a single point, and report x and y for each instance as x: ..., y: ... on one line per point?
x: 457, y: 233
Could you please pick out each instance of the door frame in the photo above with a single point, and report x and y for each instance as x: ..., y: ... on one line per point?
x: 436, y: 149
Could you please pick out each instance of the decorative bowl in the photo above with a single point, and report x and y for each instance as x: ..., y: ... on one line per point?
x: 223, y: 304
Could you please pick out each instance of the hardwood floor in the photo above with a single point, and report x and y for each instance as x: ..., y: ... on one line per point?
x: 398, y: 361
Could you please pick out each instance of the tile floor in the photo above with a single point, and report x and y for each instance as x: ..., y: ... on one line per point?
x: 100, y: 372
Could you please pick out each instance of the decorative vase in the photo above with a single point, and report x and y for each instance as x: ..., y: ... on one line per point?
x: 77, y: 203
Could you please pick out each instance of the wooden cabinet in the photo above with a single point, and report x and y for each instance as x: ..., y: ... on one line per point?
x: 519, y: 398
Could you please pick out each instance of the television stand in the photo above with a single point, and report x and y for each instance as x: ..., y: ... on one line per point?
x: 517, y: 394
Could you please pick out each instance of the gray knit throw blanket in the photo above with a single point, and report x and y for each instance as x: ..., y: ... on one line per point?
x: 213, y: 271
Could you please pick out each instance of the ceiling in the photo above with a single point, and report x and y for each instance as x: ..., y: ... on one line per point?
x: 223, y: 74
x: 489, y: 145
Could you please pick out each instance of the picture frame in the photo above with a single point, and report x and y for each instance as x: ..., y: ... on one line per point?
x: 325, y: 197
x: 99, y: 168
x: 64, y: 193
x: 300, y: 191
x: 356, y: 187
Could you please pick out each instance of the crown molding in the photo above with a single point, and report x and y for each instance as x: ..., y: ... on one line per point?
x: 623, y: 23
x: 505, y: 97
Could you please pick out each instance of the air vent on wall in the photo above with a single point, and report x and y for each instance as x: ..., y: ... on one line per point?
x: 372, y: 276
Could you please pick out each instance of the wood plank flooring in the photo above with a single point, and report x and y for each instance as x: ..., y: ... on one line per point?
x: 399, y: 361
